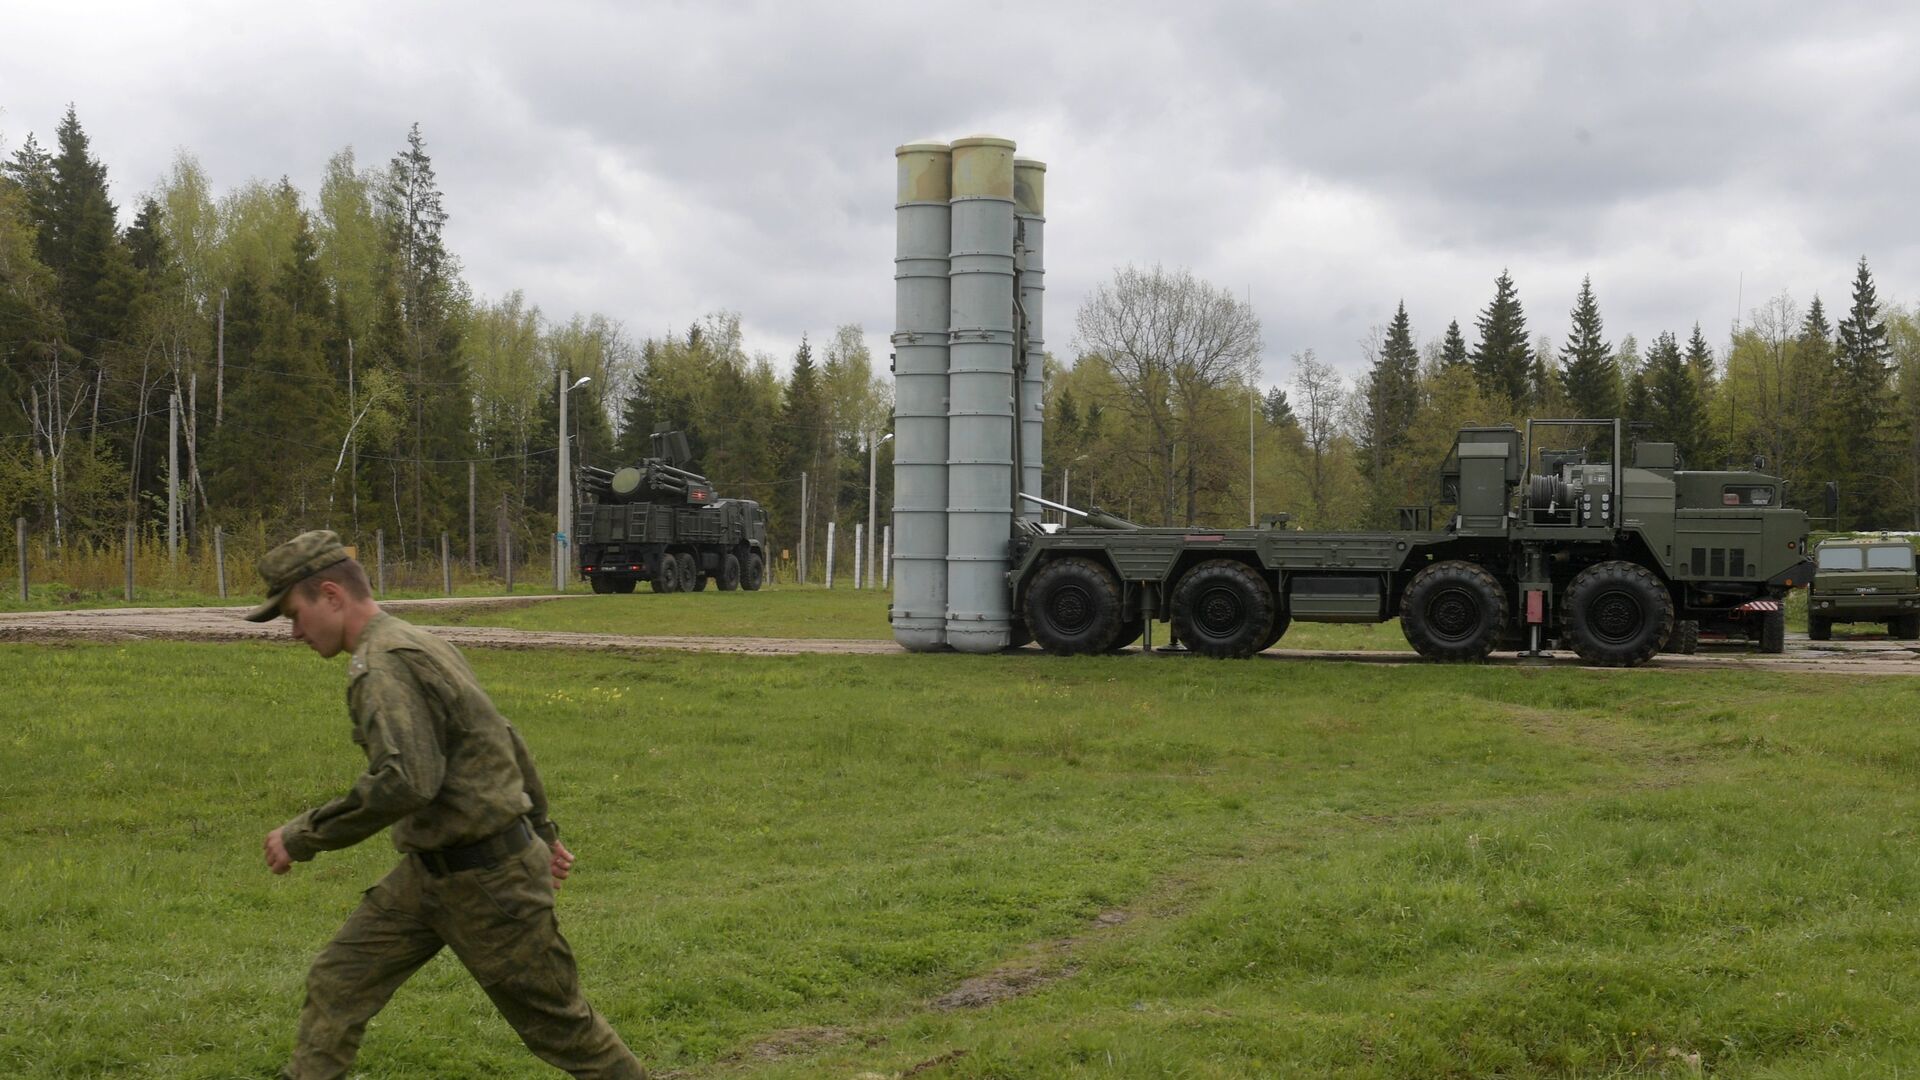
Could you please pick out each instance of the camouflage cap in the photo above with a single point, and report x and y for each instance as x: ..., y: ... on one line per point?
x: 290, y: 563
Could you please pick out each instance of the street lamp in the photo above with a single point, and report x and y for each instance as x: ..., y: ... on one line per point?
x: 563, y: 499
x: 1066, y: 475
x: 873, y: 460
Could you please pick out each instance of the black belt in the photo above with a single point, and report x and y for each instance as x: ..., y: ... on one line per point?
x: 482, y: 854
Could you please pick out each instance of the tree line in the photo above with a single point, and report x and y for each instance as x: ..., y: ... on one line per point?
x: 328, y: 366
x: 1161, y: 415
x: 333, y: 368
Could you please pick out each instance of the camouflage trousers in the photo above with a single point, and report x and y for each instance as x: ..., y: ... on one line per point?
x: 500, y: 923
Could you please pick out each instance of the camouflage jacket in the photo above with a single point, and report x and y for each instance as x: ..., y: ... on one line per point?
x: 444, y: 768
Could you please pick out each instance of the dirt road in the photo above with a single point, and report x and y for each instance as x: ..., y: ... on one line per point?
x: 226, y: 624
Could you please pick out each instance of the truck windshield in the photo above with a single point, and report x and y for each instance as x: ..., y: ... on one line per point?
x: 1843, y: 558
x: 1890, y: 558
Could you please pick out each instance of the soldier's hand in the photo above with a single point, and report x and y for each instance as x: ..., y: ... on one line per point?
x: 562, y: 863
x: 278, y: 860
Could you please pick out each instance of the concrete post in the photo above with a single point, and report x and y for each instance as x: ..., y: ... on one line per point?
x: 446, y: 565
x: 131, y: 537
x: 220, y: 560
x: 380, y: 561
x: 858, y: 561
x: 829, y: 554
x: 886, y: 556
x: 20, y: 538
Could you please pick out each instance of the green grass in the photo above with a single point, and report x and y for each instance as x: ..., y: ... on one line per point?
x: 1330, y: 869
x: 785, y: 612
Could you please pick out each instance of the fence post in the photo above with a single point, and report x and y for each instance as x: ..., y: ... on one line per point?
x: 857, y: 549
x: 220, y: 560
x: 130, y: 539
x: 829, y: 554
x: 380, y: 560
x: 886, y: 555
x: 446, y: 566
x: 20, y: 534
x: 506, y: 559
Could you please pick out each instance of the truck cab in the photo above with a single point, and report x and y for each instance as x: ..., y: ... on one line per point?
x: 1864, y: 579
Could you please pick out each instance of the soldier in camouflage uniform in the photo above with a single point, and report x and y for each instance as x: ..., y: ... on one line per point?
x: 480, y: 857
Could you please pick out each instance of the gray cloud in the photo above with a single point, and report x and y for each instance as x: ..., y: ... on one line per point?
x: 658, y: 161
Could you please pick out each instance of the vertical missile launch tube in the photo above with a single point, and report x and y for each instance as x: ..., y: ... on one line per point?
x: 980, y: 416
x: 1029, y: 209
x: 923, y: 225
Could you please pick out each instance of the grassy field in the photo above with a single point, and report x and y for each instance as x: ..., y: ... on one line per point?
x: 1175, y: 868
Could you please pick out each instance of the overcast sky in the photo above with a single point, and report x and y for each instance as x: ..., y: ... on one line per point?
x: 655, y: 162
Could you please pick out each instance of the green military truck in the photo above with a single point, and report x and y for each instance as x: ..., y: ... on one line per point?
x: 1864, y: 579
x: 661, y: 523
x: 1601, y: 556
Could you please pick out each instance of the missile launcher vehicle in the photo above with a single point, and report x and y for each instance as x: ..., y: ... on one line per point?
x: 662, y: 523
x: 1602, y: 557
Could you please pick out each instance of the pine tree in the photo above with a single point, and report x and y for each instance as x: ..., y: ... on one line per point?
x: 636, y: 412
x: 1675, y: 412
x: 1392, y: 391
x: 805, y: 422
x: 1392, y: 398
x: 79, y: 243
x: 1276, y: 409
x: 1591, y: 377
x: 425, y: 279
x: 1454, y: 352
x: 1501, y: 360
x: 1859, y: 421
x: 1699, y: 364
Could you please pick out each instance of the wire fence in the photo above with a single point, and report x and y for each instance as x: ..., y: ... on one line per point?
x: 219, y: 566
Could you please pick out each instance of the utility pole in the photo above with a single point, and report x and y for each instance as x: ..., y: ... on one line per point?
x: 220, y: 363
x: 473, y: 532
x: 803, y: 528
x: 353, y: 447
x: 173, y: 478
x: 873, y: 461
x: 563, y: 517
x: 560, y: 503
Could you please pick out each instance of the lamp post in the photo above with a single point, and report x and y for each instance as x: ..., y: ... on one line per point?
x: 873, y: 461
x: 1066, y: 477
x: 563, y: 500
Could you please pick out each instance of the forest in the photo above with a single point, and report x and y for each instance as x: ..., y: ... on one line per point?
x: 324, y: 364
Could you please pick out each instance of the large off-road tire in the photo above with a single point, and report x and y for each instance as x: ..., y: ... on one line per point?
x: 1618, y: 614
x: 700, y: 581
x: 1685, y: 638
x: 1223, y: 609
x: 624, y: 585
x: 1281, y: 620
x: 1073, y: 607
x: 1773, y: 632
x: 1907, y: 628
x: 601, y: 583
x: 1130, y: 632
x: 1453, y: 611
x: 666, y: 574
x: 754, y: 575
x: 689, y: 572
x: 730, y: 573
x: 1819, y: 628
